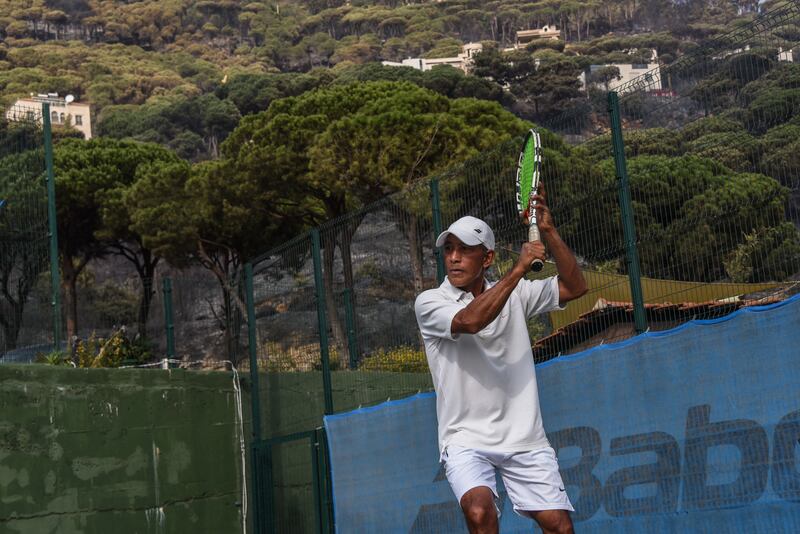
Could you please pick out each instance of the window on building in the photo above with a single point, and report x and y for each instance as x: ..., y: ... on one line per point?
x: 639, y: 66
x: 63, y: 119
x: 54, y: 116
x: 78, y: 120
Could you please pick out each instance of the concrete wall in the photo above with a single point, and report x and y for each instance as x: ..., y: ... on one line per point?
x: 118, y: 451
x: 151, y: 451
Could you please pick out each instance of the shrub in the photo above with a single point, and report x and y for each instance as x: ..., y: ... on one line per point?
x: 277, y: 360
x: 114, y: 351
x: 297, y: 357
x: 55, y: 357
x: 767, y: 254
x: 403, y: 359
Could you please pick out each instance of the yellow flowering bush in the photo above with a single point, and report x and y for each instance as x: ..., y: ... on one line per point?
x: 402, y: 359
x: 114, y: 351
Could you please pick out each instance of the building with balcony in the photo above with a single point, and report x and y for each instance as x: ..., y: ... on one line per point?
x: 525, y: 37
x: 627, y: 72
x: 462, y: 61
x: 63, y: 111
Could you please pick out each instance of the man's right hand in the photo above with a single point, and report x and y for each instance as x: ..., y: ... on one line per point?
x: 530, y: 252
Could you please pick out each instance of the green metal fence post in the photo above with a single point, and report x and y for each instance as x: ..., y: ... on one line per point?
x: 262, y: 453
x: 55, y: 280
x: 255, y: 399
x: 325, y: 481
x: 261, y: 482
x: 227, y: 309
x: 350, y: 320
x: 316, y: 483
x: 626, y: 209
x: 238, y: 318
x: 437, y: 228
x: 169, y: 323
x: 322, y: 321
x: 267, y: 504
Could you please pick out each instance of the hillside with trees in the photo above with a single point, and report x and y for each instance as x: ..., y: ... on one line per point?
x: 224, y: 129
x: 111, y: 52
x: 182, y: 72
x: 299, y: 35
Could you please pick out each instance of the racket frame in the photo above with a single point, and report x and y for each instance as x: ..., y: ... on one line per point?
x: 528, y: 212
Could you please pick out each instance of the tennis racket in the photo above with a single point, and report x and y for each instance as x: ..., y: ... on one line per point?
x: 527, y: 182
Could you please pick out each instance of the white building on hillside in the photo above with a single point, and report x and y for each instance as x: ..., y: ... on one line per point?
x: 63, y: 111
x: 786, y: 55
x: 525, y: 37
x: 463, y: 61
x: 627, y: 72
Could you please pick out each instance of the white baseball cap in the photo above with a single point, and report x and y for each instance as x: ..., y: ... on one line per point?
x: 471, y: 231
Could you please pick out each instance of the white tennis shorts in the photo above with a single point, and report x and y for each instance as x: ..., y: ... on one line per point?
x: 531, y: 478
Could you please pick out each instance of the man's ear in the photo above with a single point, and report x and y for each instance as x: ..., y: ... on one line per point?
x: 488, y: 259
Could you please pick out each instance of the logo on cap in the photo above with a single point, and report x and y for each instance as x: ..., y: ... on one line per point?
x: 478, y: 230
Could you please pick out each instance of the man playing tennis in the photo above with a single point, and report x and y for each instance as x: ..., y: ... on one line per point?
x: 479, y: 353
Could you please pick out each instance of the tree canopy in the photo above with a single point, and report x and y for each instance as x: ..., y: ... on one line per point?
x: 226, y: 128
x: 94, y: 218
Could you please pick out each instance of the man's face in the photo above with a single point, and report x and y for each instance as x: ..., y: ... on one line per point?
x: 465, y: 264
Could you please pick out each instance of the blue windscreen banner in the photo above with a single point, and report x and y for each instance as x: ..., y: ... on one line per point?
x: 695, y: 429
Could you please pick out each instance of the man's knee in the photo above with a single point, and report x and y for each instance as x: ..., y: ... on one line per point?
x: 480, y: 514
x: 479, y: 509
x: 554, y: 522
x: 563, y: 527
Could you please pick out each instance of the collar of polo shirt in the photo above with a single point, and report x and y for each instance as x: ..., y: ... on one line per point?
x: 457, y: 294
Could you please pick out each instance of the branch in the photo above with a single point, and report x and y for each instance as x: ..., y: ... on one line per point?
x: 424, y: 153
x: 82, y: 261
x: 126, y: 252
x: 217, y: 317
x: 220, y: 273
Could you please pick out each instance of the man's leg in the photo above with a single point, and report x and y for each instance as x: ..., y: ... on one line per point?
x: 479, y: 511
x: 536, y: 489
x: 553, y: 521
x: 471, y: 474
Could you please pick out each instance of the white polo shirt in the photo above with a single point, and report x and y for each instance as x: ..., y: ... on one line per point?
x: 486, y: 393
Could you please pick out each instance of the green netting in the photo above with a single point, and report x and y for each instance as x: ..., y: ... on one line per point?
x: 206, y: 318
x: 287, y: 334
x: 25, y: 311
x: 711, y: 146
x: 293, y: 476
x: 285, y: 307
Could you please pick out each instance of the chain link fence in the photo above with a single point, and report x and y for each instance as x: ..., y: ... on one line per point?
x: 709, y: 154
x: 678, y: 194
x: 24, y: 255
x: 690, y: 213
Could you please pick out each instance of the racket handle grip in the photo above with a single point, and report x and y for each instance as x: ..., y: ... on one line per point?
x: 533, y: 235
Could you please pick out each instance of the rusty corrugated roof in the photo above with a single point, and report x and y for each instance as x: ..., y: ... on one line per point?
x: 605, y: 314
